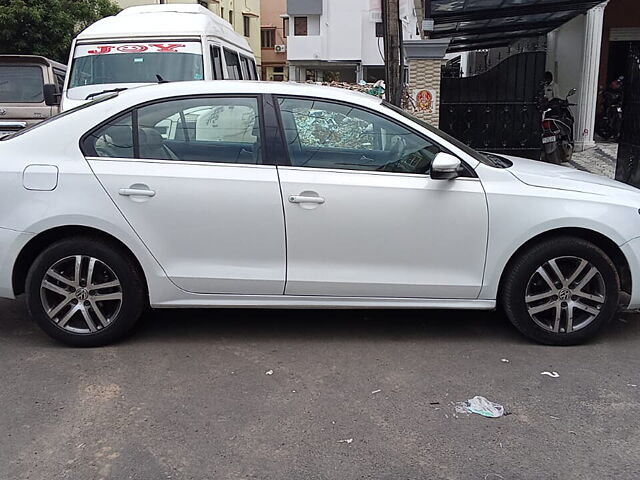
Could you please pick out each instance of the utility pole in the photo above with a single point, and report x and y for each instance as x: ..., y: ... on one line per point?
x: 392, y: 50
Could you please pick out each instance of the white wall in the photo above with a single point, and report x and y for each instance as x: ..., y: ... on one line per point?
x: 347, y: 30
x: 565, y: 49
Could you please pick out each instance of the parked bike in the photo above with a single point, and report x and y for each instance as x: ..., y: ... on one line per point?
x: 609, y: 122
x: 557, y: 130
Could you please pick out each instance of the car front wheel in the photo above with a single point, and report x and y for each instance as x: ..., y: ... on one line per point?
x: 84, y: 292
x: 561, y: 291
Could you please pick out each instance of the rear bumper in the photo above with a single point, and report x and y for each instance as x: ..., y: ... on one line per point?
x: 11, y: 243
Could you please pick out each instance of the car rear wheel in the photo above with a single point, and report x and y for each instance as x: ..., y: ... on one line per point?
x: 562, y: 291
x: 84, y: 292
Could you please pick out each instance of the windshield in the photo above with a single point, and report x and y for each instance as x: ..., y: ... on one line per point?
x: 135, y: 63
x: 491, y: 160
x: 21, y: 84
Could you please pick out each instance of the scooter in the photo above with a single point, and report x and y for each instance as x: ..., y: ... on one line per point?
x: 557, y: 130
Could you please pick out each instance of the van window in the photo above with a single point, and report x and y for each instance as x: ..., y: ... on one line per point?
x: 21, y: 84
x: 244, y: 64
x: 136, y: 63
x: 233, y: 65
x: 216, y: 61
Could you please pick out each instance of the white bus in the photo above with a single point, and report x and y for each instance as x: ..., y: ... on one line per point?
x: 151, y: 44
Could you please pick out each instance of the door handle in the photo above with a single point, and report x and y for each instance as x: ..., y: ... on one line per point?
x: 136, y: 192
x: 305, y: 199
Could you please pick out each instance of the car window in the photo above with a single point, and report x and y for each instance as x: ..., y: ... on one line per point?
x: 115, y: 139
x: 233, y: 65
x: 59, y: 77
x: 323, y: 134
x: 21, y: 84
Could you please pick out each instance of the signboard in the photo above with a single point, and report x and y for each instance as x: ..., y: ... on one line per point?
x: 136, y: 48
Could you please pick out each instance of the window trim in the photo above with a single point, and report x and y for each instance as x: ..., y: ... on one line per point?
x: 470, y: 172
x: 88, y: 150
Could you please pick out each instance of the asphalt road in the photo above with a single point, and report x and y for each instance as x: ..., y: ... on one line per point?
x: 188, y: 397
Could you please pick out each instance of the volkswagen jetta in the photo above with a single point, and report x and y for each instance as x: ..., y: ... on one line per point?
x: 249, y: 194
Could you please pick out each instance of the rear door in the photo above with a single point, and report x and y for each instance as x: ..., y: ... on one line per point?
x: 194, y: 185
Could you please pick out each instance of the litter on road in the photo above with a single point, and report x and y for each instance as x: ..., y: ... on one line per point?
x: 480, y: 406
x: 551, y: 374
x: 269, y: 372
x: 375, y: 391
x: 348, y: 440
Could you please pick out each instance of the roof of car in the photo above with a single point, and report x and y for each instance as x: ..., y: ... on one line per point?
x: 245, y: 87
x: 31, y: 59
x: 166, y: 20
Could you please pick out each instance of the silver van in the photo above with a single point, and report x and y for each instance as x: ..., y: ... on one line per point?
x: 30, y: 88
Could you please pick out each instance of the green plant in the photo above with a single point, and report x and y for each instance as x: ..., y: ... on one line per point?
x: 47, y: 27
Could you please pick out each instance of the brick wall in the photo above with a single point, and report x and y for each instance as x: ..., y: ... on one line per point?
x: 425, y: 74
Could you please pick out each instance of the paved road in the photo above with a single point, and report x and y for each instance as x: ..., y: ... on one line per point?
x: 188, y: 397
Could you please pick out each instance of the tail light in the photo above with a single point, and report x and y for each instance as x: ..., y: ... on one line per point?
x: 546, y: 124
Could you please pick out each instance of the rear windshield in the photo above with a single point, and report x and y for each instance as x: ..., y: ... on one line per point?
x: 136, y: 63
x: 21, y: 84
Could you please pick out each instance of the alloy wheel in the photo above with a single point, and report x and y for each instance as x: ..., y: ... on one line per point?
x: 565, y: 294
x: 81, y: 294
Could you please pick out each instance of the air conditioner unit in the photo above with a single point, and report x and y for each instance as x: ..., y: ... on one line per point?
x: 281, y: 48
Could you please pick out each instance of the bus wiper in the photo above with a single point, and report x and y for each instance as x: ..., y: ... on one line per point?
x: 95, y: 94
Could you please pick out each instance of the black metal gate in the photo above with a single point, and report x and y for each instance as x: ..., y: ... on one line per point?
x: 497, y: 110
x: 628, y: 165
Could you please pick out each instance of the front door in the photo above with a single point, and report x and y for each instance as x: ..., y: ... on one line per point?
x: 193, y: 185
x: 363, y: 216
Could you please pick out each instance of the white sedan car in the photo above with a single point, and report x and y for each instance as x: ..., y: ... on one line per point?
x: 248, y: 194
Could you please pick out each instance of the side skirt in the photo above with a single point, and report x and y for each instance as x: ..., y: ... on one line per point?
x: 285, y: 301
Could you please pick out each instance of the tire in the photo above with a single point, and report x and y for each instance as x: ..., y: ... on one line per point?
x: 83, y: 313
x: 553, y: 157
x: 526, y: 295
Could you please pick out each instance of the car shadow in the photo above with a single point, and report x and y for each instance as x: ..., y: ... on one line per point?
x: 186, y: 325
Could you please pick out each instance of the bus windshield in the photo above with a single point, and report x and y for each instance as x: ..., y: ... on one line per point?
x: 112, y: 63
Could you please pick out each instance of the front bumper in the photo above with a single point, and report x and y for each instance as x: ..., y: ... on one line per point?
x: 631, y: 250
x: 11, y: 243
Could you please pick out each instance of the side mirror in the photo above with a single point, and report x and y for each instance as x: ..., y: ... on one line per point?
x: 51, y: 94
x: 445, y: 167
x: 571, y: 93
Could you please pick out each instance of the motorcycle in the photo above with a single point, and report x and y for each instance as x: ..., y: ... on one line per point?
x: 557, y: 130
x: 609, y: 122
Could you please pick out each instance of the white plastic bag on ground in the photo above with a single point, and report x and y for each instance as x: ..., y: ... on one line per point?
x: 481, y: 406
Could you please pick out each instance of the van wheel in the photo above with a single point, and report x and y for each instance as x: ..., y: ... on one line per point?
x: 562, y: 291
x: 84, y: 292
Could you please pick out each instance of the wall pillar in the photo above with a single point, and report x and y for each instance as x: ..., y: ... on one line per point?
x: 588, y: 96
x: 424, y: 59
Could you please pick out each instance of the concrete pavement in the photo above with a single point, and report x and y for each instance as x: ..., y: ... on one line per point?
x: 188, y: 397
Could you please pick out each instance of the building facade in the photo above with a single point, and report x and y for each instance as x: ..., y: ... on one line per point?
x: 340, y: 41
x: 244, y: 15
x: 274, y: 40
